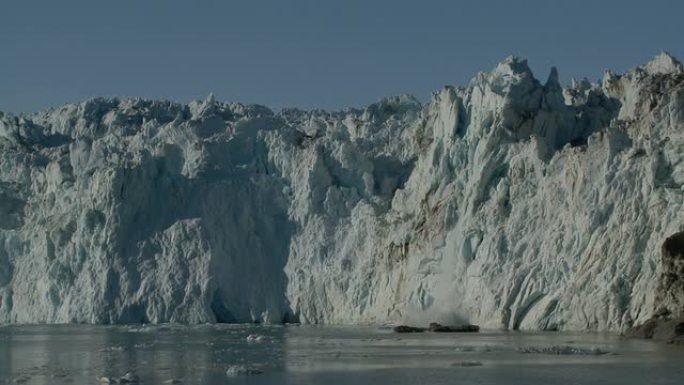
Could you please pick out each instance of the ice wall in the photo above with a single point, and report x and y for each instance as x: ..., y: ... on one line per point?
x: 507, y: 203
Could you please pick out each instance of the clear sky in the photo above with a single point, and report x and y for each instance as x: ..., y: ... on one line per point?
x: 310, y: 53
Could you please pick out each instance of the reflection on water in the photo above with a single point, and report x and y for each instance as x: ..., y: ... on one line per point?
x: 79, y: 354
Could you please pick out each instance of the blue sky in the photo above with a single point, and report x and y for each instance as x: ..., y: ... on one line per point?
x: 306, y: 53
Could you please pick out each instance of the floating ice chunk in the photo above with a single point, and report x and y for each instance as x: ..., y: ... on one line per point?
x: 256, y: 338
x: 129, y: 378
x: 143, y: 346
x: 562, y: 350
x: 467, y: 364
x: 21, y: 379
x: 112, y: 349
x: 242, y: 370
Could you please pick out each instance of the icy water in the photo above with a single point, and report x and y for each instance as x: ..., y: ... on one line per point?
x: 327, y: 355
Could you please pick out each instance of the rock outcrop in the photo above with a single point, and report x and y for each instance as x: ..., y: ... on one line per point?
x: 662, y: 329
x: 670, y: 290
x: 506, y: 203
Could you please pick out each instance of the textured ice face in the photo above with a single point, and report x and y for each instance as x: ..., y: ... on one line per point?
x: 507, y: 203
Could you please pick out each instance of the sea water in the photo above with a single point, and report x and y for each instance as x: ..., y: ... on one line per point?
x: 252, y: 354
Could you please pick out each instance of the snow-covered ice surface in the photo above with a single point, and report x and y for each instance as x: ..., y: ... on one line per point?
x: 508, y: 203
x: 220, y: 354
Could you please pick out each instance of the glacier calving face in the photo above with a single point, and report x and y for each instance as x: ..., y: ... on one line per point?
x: 506, y: 203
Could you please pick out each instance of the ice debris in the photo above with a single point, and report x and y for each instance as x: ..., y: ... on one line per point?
x: 242, y: 370
x: 255, y: 338
x: 562, y: 350
x: 128, y: 378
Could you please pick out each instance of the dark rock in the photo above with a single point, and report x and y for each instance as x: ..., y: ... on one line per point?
x: 668, y: 322
x: 439, y: 328
x: 670, y: 290
x: 644, y: 330
x: 408, y: 329
x: 662, y: 329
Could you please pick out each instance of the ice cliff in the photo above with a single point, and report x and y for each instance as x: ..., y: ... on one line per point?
x: 508, y: 203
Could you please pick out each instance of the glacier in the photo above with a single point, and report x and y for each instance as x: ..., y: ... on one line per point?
x: 507, y: 203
